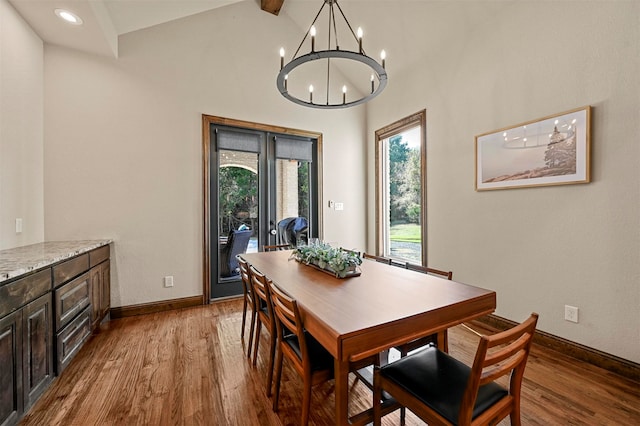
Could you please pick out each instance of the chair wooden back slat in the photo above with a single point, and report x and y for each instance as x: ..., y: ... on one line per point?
x: 490, y: 364
x: 276, y: 247
x: 287, y: 313
x: 260, y: 288
x: 245, y: 275
x: 380, y: 259
x: 259, y: 285
x: 249, y: 301
x: 427, y: 270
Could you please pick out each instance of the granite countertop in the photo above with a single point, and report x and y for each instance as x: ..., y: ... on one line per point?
x: 18, y: 261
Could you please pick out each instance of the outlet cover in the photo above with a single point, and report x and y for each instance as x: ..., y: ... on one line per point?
x: 571, y: 313
x: 168, y: 281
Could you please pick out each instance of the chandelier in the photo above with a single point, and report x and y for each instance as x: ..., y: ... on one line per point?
x: 352, y: 66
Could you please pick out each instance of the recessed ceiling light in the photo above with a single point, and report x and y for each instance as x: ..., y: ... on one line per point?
x: 68, y: 16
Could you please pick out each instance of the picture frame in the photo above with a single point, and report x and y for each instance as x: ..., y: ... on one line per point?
x: 553, y: 150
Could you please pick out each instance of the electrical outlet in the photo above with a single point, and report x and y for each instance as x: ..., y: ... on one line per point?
x: 18, y: 225
x: 570, y: 313
x: 339, y: 206
x: 168, y: 281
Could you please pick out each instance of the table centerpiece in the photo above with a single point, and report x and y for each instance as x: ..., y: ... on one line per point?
x: 336, y: 261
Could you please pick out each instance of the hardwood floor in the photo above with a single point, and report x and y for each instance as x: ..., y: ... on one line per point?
x: 189, y: 367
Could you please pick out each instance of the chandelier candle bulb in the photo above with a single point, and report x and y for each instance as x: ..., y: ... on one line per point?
x: 286, y: 77
x: 383, y: 56
x: 344, y: 94
x: 281, y: 57
x: 373, y: 88
x: 311, y: 93
x: 312, y: 31
x: 360, y: 34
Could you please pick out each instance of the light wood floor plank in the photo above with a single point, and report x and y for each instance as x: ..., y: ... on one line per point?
x: 189, y: 367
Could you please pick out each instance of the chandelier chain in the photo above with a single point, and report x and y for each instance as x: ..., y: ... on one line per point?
x: 295, y: 55
x: 348, y: 25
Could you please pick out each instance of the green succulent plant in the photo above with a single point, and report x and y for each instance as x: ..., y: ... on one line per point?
x: 337, y: 260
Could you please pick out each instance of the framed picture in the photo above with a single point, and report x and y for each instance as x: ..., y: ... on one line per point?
x: 553, y: 150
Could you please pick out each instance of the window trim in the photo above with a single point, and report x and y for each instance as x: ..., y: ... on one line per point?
x: 413, y: 120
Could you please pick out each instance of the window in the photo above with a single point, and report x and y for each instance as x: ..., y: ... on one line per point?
x: 401, y: 190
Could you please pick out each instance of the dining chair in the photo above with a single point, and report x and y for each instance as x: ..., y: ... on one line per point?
x: 266, y: 318
x: 412, y: 345
x: 441, y: 390
x: 377, y: 258
x: 405, y: 348
x: 276, y: 247
x: 249, y: 301
x: 307, y: 356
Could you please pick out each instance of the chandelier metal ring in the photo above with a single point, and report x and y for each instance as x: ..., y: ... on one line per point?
x: 332, y: 51
x: 328, y: 54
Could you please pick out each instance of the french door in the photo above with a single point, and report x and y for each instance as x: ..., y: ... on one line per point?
x: 257, y: 177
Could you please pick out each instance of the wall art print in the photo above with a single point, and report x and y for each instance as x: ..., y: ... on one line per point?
x: 553, y: 150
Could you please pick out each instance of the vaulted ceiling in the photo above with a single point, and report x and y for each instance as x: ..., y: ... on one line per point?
x: 406, y: 29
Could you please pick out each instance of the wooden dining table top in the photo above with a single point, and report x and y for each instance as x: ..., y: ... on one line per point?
x: 389, y: 304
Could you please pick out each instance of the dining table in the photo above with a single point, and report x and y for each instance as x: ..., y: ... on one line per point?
x: 382, y: 307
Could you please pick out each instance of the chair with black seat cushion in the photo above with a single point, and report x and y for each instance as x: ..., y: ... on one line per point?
x: 266, y: 318
x: 444, y: 391
x: 248, y: 301
x: 237, y: 243
x: 308, y: 357
x: 405, y: 348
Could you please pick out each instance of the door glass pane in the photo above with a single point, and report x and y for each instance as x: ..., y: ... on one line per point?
x: 293, y: 182
x: 402, y: 231
x: 238, y: 206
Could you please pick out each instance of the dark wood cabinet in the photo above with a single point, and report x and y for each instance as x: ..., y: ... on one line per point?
x: 100, y: 277
x: 37, y: 361
x: 45, y: 318
x: 105, y: 294
x: 71, y: 299
x: 26, y: 355
x: 11, y: 402
x: 71, y: 338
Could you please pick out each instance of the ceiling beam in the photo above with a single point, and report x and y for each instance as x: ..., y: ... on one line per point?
x: 271, y: 6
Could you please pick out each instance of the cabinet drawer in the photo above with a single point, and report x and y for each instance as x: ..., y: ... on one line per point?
x: 71, y: 298
x: 22, y: 291
x: 69, y: 269
x: 70, y: 339
x: 99, y: 255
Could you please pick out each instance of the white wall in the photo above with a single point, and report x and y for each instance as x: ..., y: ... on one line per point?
x: 123, y: 155
x: 21, y: 131
x: 539, y: 248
